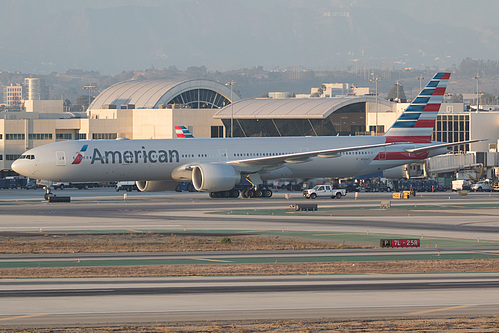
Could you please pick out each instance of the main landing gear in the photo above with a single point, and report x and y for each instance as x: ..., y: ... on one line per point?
x: 259, y: 191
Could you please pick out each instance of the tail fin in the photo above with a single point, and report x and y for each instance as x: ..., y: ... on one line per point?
x: 416, y: 123
x: 183, y: 132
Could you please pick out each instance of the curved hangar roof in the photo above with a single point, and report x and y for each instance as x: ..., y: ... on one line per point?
x: 152, y: 94
x: 290, y: 108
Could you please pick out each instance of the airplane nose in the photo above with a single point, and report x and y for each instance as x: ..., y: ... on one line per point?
x: 21, y: 167
x: 16, y: 166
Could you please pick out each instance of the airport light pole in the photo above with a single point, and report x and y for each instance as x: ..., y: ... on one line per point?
x: 420, y: 79
x: 375, y: 80
x: 89, y: 87
x: 231, y: 84
x: 477, y: 78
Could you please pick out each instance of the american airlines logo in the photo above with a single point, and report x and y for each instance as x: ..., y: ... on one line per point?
x: 134, y: 156
x: 80, y: 154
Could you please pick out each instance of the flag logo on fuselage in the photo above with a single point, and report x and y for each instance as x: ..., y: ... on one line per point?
x: 80, y: 155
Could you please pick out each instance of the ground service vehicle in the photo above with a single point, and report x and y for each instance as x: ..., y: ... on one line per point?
x: 483, y: 185
x: 324, y: 191
x: 460, y: 185
x: 126, y: 186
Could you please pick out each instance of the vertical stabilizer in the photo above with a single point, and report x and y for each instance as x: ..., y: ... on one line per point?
x: 417, y: 121
x: 183, y: 132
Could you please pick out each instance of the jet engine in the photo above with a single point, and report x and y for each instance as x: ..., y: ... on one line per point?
x: 156, y: 186
x: 214, y: 177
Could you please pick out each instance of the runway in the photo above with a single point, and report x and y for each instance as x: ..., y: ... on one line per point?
x: 462, y: 226
x: 62, y: 302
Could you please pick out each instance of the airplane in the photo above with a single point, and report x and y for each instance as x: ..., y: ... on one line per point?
x: 182, y: 132
x: 217, y: 165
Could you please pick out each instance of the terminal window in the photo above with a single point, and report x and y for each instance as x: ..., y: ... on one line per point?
x: 217, y: 131
x: 40, y: 136
x: 12, y: 157
x: 63, y: 136
x: 15, y: 136
x: 82, y: 136
x: 104, y: 136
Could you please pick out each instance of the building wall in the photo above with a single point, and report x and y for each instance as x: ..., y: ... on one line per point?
x: 44, y: 106
x: 13, y: 95
x: 484, y: 125
x: 152, y: 124
x: 199, y: 121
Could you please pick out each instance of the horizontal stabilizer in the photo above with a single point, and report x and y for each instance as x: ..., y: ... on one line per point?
x: 443, y: 145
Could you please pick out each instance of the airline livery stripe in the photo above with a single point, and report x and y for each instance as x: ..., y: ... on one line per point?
x: 427, y: 92
x: 421, y: 100
x: 431, y: 108
x: 439, y: 91
x: 404, y: 124
x: 391, y: 156
x: 442, y: 76
x: 414, y: 107
x: 425, y: 123
x: 414, y: 139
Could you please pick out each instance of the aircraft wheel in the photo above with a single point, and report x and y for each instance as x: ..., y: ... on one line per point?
x: 212, y: 195
x: 267, y: 193
x: 244, y: 194
x: 234, y: 193
x: 251, y: 193
x: 259, y: 193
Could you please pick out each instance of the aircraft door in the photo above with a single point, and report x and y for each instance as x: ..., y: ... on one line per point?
x: 223, y: 155
x: 60, y: 157
x: 382, y: 154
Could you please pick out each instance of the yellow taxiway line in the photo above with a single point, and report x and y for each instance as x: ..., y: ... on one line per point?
x: 443, y: 309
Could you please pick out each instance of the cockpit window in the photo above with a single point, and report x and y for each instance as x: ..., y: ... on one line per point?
x: 27, y: 157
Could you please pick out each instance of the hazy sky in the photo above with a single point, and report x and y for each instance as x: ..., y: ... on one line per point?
x: 116, y: 35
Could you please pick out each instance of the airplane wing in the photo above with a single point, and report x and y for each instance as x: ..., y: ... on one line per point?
x: 266, y: 161
x: 443, y: 145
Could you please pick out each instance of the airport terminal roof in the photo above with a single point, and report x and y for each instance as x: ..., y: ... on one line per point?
x: 289, y: 108
x: 152, y: 94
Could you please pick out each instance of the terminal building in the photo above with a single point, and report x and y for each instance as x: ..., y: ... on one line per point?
x: 151, y: 110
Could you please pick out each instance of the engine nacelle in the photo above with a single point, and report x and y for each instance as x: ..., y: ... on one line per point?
x: 214, y: 177
x: 156, y: 186
x: 396, y: 173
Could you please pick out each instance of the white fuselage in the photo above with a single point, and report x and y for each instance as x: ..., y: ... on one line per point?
x: 155, y: 160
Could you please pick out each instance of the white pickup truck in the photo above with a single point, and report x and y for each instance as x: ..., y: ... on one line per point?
x: 324, y: 191
x: 483, y: 185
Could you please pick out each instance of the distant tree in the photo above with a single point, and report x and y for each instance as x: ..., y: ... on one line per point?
x: 67, y: 105
x: 84, y: 100
x: 397, y: 93
x: 487, y: 99
x: 456, y: 98
x: 195, y: 72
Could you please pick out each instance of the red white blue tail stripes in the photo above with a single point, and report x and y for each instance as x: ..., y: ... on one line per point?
x: 417, y: 121
x: 183, y: 132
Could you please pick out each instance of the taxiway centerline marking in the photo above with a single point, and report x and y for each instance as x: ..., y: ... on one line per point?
x: 443, y: 309
x: 26, y: 316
